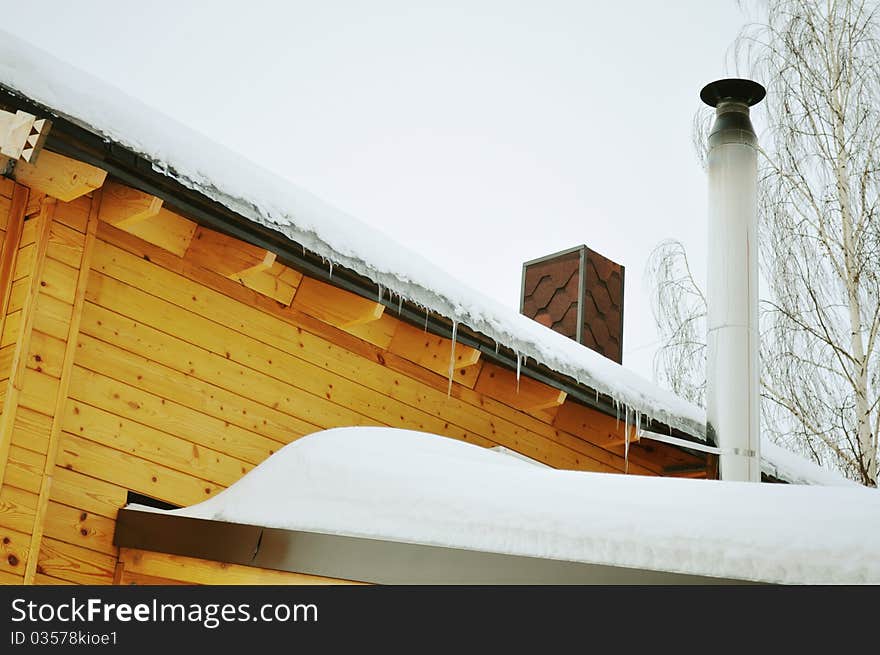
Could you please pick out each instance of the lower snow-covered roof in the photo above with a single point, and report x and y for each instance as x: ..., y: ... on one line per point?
x: 269, y: 200
x: 398, y: 485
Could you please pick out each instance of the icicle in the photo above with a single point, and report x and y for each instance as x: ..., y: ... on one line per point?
x: 427, y: 314
x: 331, y: 270
x: 518, y: 366
x: 617, y: 411
x: 452, y: 358
x: 626, y: 444
x: 497, y: 346
x: 399, y: 304
x: 381, y: 293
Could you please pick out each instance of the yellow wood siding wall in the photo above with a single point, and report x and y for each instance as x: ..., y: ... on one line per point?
x: 39, y: 324
x: 139, y: 369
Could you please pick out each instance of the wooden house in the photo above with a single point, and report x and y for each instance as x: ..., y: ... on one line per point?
x: 163, y: 333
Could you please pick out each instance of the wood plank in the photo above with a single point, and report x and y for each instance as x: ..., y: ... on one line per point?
x: 77, y: 526
x: 199, y: 571
x: 379, y: 333
x: 28, y: 229
x: 129, y: 578
x: 28, y: 310
x: 334, y: 305
x: 278, y: 282
x: 32, y: 430
x: 46, y: 354
x: 592, y: 425
x: 11, y: 330
x: 150, y: 444
x: 15, y: 394
x: 99, y: 461
x: 65, y: 244
x: 52, y: 316
x: 167, y: 230
x: 58, y: 280
x: 74, y: 563
x: 128, y: 359
x: 74, y: 214
x: 431, y: 351
x: 24, y: 469
x: 6, y: 353
x: 122, y: 205
x: 205, y: 381
x: 230, y: 347
x: 89, y: 494
x: 78, y: 299
x: 10, y: 578
x: 13, y: 550
x: 38, y: 392
x: 59, y: 176
x: 227, y: 256
x: 17, y: 509
x: 168, y: 417
x: 48, y: 517
x: 328, y: 401
x: 523, y: 393
x: 18, y: 293
x: 35, y: 203
x: 24, y: 261
x: 43, y: 579
x: 6, y: 187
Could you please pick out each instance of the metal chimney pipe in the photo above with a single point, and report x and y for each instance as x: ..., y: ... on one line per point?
x: 732, y: 393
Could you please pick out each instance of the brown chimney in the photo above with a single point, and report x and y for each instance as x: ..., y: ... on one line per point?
x: 578, y: 293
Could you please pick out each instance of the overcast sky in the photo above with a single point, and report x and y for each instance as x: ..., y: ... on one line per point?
x: 481, y: 134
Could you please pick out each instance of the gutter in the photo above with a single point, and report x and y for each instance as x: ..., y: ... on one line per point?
x: 69, y: 139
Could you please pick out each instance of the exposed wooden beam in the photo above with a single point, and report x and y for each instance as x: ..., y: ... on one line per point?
x: 431, y: 351
x: 22, y: 135
x: 123, y: 206
x: 167, y: 230
x: 526, y: 394
x: 333, y: 305
x: 590, y: 425
x: 594, y: 426
x: 278, y: 282
x: 59, y: 176
x: 227, y: 256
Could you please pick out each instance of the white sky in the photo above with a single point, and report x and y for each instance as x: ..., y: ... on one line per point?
x: 482, y: 134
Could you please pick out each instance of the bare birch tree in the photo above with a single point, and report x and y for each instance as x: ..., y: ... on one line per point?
x: 819, y: 213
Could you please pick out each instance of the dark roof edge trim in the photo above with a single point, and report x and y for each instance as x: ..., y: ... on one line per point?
x: 363, y: 559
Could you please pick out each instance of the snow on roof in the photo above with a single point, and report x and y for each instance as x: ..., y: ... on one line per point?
x: 406, y: 486
x: 267, y: 199
x: 270, y: 200
x: 782, y: 464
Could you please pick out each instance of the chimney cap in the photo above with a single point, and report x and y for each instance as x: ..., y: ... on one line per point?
x: 736, y: 89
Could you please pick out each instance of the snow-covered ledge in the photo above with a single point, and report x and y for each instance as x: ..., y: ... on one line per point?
x: 403, y: 487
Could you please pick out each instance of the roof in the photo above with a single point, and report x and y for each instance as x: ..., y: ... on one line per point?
x: 411, y: 487
x: 266, y: 199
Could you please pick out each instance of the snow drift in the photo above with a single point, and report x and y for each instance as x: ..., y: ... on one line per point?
x: 412, y: 487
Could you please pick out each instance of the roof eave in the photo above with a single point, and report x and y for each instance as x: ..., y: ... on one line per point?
x: 73, y: 140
